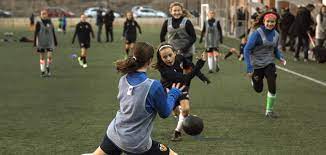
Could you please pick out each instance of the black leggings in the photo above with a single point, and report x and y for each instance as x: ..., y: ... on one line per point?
x: 270, y: 73
x: 109, y: 33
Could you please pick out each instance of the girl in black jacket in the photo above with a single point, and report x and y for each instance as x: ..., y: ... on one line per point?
x: 130, y: 32
x: 178, y: 69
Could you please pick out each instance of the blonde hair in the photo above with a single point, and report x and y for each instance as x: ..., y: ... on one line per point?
x: 130, y: 12
x: 185, y: 12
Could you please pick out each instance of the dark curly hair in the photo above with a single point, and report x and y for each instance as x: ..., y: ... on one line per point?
x: 160, y: 64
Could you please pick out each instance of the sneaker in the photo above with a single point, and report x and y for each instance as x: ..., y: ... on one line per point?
x: 43, y: 74
x: 48, y: 73
x: 84, y: 65
x: 271, y: 114
x: 241, y: 57
x: 80, y: 61
x: 207, y: 81
x: 176, y: 136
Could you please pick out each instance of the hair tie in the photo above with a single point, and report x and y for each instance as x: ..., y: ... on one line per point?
x: 164, y: 46
x: 270, y: 15
x: 133, y: 57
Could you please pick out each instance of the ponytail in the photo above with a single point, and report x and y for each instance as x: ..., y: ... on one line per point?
x: 142, y: 54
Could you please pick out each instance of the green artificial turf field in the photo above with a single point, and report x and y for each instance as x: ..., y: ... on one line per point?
x: 68, y: 113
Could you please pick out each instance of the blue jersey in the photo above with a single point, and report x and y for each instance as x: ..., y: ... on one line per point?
x: 257, y: 43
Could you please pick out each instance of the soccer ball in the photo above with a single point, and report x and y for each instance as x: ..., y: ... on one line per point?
x: 73, y: 56
x: 193, y: 125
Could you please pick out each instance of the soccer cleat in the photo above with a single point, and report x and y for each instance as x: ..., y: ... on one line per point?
x: 241, y: 57
x: 84, y: 65
x: 176, y: 136
x: 48, y: 73
x: 80, y: 61
x: 206, y: 81
x: 210, y: 71
x: 305, y: 60
x: 271, y: 114
x: 43, y: 74
x: 217, y: 69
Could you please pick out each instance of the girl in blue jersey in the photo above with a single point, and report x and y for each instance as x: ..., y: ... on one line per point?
x: 175, y: 68
x: 141, y: 99
x: 259, y: 54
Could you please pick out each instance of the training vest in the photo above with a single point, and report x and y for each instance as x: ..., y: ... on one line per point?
x: 179, y: 37
x: 263, y: 55
x: 212, y: 35
x: 45, y: 36
x: 130, y: 130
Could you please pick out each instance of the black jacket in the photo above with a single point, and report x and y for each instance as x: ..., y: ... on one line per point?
x: 174, y: 74
x: 286, y: 21
x: 302, y: 23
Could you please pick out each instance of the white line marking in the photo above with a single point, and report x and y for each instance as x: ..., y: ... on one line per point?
x: 295, y: 73
x: 301, y: 75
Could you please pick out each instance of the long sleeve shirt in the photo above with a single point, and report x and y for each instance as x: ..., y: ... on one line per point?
x: 256, y: 40
x: 157, y: 99
x: 83, y: 31
x: 174, y: 74
x: 176, y: 24
x: 129, y: 28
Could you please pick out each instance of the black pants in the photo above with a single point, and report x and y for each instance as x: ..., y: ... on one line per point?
x: 303, y: 42
x: 269, y: 72
x: 291, y: 42
x: 109, y: 33
x: 99, y: 32
x: 284, y: 34
x: 320, y: 42
x: 111, y: 149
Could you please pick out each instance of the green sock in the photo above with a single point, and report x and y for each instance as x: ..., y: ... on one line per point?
x: 270, y: 101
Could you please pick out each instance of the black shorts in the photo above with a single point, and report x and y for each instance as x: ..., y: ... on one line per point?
x: 110, y: 148
x: 212, y: 49
x: 130, y: 41
x: 268, y: 72
x: 43, y: 50
x: 85, y: 45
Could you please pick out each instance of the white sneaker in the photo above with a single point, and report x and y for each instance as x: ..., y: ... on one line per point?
x: 80, y: 61
x: 241, y: 57
x: 84, y: 65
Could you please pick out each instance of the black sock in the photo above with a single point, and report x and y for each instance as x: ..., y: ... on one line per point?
x: 227, y: 55
x: 84, y: 60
